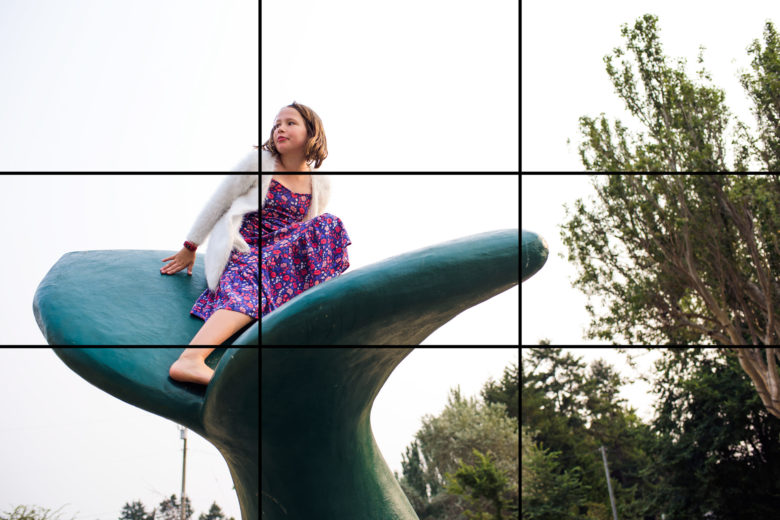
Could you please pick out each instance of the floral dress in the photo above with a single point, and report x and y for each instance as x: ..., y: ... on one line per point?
x: 237, y: 290
x: 298, y: 255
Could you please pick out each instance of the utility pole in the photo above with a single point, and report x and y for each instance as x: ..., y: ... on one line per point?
x: 609, y: 484
x: 183, y: 432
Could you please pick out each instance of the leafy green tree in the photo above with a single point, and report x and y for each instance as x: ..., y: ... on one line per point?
x: 445, y: 440
x: 507, y: 391
x: 571, y: 412
x: 549, y: 491
x: 680, y: 259
x: 478, y: 483
x: 686, y: 120
x: 716, y: 446
x: 135, y: 511
x: 763, y: 88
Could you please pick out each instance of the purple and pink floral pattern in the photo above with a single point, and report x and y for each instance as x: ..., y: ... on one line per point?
x: 237, y: 290
x: 298, y: 255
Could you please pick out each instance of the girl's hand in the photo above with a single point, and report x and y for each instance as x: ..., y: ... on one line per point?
x: 182, y: 259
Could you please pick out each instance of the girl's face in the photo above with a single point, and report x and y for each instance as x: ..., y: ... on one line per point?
x: 289, y: 131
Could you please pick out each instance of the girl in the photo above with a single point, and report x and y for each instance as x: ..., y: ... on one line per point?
x: 230, y: 301
x: 297, y: 142
x: 302, y: 245
x: 191, y: 366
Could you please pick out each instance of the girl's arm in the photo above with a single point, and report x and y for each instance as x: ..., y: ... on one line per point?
x: 231, y: 188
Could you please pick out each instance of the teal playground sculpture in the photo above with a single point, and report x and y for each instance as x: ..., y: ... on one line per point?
x: 401, y: 300
x: 225, y: 412
x: 119, y: 297
x: 535, y: 252
x: 320, y: 459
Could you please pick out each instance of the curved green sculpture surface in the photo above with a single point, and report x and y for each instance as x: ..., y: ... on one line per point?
x: 320, y: 460
x: 401, y: 300
x: 535, y: 253
x: 225, y: 413
x: 119, y: 297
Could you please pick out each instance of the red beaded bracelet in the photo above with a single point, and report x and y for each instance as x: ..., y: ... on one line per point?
x: 189, y: 245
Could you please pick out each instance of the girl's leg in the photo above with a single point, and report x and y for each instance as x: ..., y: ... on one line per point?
x: 220, y: 326
x: 191, y: 366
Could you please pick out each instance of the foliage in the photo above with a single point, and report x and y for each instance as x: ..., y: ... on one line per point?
x: 482, y: 481
x: 507, y: 391
x: 686, y: 120
x: 717, y: 447
x: 569, y: 413
x: 680, y: 259
x: 445, y: 442
x: 549, y: 493
x: 22, y: 512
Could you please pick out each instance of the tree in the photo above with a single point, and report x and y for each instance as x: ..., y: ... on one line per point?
x: 506, y: 392
x: 446, y: 440
x: 686, y: 120
x: 763, y: 374
x: 480, y: 483
x: 764, y: 90
x: 567, y: 412
x: 716, y: 447
x: 680, y: 259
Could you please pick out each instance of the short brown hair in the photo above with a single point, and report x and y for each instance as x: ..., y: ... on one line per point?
x: 316, y: 149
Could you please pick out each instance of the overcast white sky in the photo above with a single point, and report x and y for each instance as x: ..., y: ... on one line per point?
x: 387, y: 215
x: 551, y: 307
x: 46, y: 216
x: 399, y: 86
x: 128, y: 86
x: 64, y: 442
x: 564, y: 76
x: 420, y: 385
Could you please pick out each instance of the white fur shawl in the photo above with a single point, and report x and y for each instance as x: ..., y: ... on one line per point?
x: 320, y: 194
x: 248, y: 163
x: 221, y: 218
x: 269, y: 163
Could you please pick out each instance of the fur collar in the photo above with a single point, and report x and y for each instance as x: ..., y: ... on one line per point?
x: 320, y: 194
x: 269, y: 163
x: 248, y: 163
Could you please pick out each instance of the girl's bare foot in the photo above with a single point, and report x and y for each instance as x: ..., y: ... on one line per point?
x: 191, y: 370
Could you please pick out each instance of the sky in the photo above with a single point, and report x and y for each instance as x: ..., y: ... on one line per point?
x: 66, y: 444
x: 387, y: 215
x: 46, y: 216
x: 420, y: 386
x: 128, y: 86
x: 551, y: 307
x: 399, y: 86
x: 564, y: 75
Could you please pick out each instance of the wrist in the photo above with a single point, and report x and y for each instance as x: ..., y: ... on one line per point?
x: 190, y: 246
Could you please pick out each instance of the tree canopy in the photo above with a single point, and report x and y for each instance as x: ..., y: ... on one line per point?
x: 708, y: 451
x: 686, y: 120
x: 680, y: 259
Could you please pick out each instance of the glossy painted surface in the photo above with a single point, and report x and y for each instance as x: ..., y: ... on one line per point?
x: 225, y: 412
x: 119, y: 297
x: 320, y: 460
x: 534, y: 251
x: 401, y: 300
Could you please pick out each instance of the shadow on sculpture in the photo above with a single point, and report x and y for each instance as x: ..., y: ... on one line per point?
x: 225, y: 413
x: 320, y: 459
x: 119, y: 297
x: 401, y: 300
x: 535, y: 252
